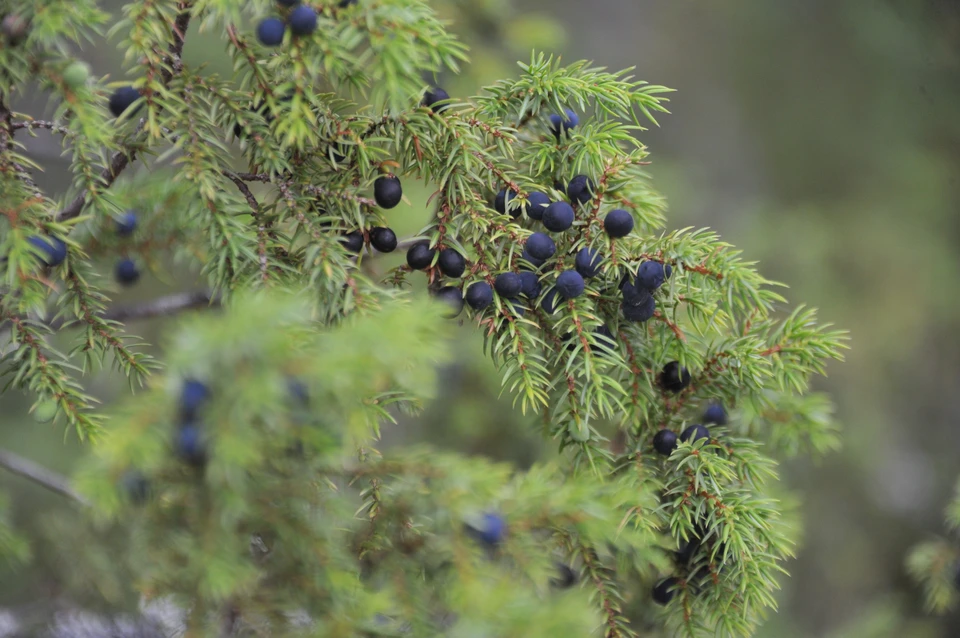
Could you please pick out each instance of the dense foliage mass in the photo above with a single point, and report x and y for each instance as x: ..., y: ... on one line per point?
x: 244, y: 481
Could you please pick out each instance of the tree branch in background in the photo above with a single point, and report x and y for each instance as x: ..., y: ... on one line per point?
x: 40, y: 475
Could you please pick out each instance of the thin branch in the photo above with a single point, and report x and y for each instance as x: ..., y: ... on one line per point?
x: 39, y: 475
x: 44, y: 124
x: 159, y: 307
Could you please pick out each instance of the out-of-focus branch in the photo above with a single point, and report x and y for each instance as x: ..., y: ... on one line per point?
x: 40, y: 475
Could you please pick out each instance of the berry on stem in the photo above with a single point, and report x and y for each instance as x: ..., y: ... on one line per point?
x: 76, y: 74
x: 492, y: 529
x: 639, y: 312
x: 190, y: 445
x: 302, y: 20
x: 54, y: 249
x: 566, y: 578
x: 502, y: 201
x: 560, y: 125
x: 126, y: 223
x: 420, y: 255
x: 127, y: 272
x: 433, y: 96
x: 387, y: 191
x: 580, y: 189
x: 588, y: 262
x: 618, y: 223
x: 122, y: 99
x: 508, y: 284
x: 694, y: 433
x: 650, y: 275
x: 537, y: 202
x: 540, y: 246
x: 452, y: 297
x: 715, y: 414
x: 533, y: 261
x: 192, y: 397
x: 665, y: 442
x: 451, y: 262
x: 551, y: 301
x: 136, y: 485
x: 664, y: 591
x: 288, y: 3
x: 479, y: 295
x: 383, y: 239
x: 353, y: 241
x: 530, y: 285
x: 605, y: 339
x: 558, y: 217
x: 674, y: 378
x: 570, y: 284
x: 270, y: 32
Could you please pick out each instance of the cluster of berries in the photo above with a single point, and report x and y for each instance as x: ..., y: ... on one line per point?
x: 675, y: 378
x: 302, y: 20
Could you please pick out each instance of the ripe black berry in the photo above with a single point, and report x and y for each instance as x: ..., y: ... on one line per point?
x: 136, y: 485
x: 537, y: 202
x: 530, y: 285
x: 383, y: 239
x: 588, y: 262
x: 570, y: 284
x: 558, y: 217
x: 53, y: 249
x: 479, y: 295
x: 580, y: 189
x: 387, y: 191
x: 190, y: 445
x: 452, y: 297
x: 674, y: 378
x: 508, y: 284
x: 650, y: 275
x: 420, y: 255
x: 270, y: 32
x: 127, y: 272
x: 302, y: 20
x: 433, y: 96
x: 639, y: 312
x: 664, y: 591
x: 122, y: 99
x: 605, y: 339
x: 551, y: 301
x: 665, y: 442
x: 127, y: 223
x: 694, y: 433
x: 540, y: 246
x: 566, y: 578
x: 353, y: 241
x: 560, y: 125
x: 533, y: 261
x: 618, y: 223
x: 715, y: 414
x: 502, y: 201
x: 452, y: 263
x: 288, y: 3
x: 492, y: 529
x: 192, y: 397
x: 517, y: 308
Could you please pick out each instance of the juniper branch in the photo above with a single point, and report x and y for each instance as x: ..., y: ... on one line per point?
x: 40, y: 475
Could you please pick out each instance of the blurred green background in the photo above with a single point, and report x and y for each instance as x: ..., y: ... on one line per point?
x: 820, y: 136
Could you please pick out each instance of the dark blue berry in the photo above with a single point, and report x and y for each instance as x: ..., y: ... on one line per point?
x: 270, y: 32
x: 674, y: 378
x: 508, y: 284
x: 298, y: 390
x: 127, y: 272
x: 634, y: 296
x: 387, y: 191
x: 650, y: 275
x: 502, y: 201
x: 533, y: 261
x: 136, y: 486
x: 640, y: 312
x: 580, y: 189
x: 353, y: 241
x: 302, y: 20
x: 517, y: 307
x: 190, y: 445
x: 479, y: 295
x: 433, y: 96
x: 694, y: 433
x: 452, y: 297
x: 346, y: 3
x: 537, y: 202
x: 604, y: 338
x: 664, y: 591
x: 618, y: 223
x: 127, y: 223
x: 288, y: 3
x: 192, y: 397
x: 54, y: 250
x: 122, y: 99
x: 558, y: 217
x: 530, y: 285
x: 667, y: 270
x: 665, y: 442
x: 566, y: 577
x: 588, y: 262
x: 570, y: 284
x: 451, y: 263
x: 559, y: 125
x: 551, y: 301
x: 383, y: 239
x: 540, y: 246
x: 715, y: 414
x: 492, y: 529
x: 420, y: 255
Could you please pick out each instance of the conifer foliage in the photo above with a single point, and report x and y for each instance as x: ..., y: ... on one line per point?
x: 246, y: 469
